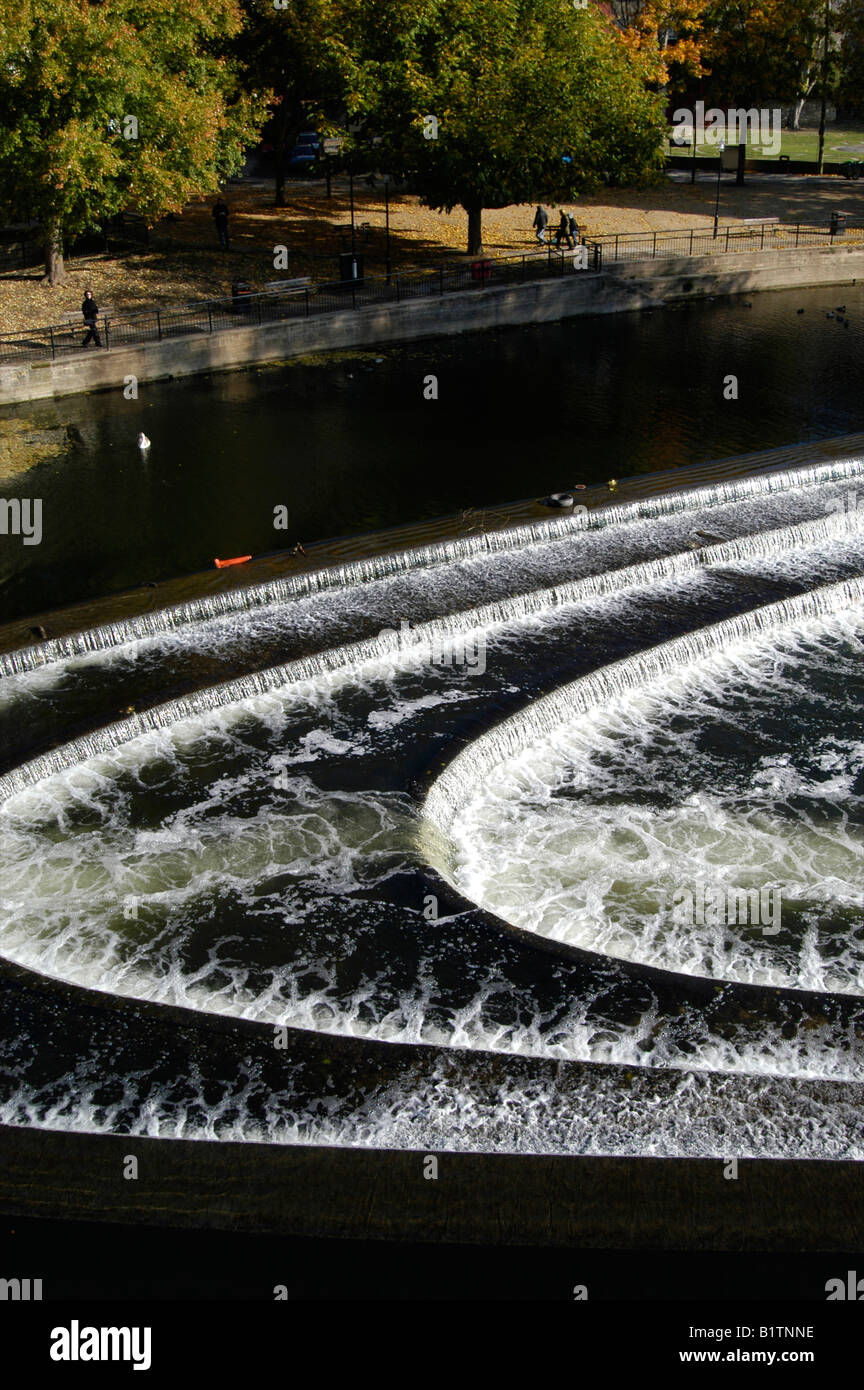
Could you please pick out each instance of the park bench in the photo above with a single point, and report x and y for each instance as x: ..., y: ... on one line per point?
x: 283, y: 286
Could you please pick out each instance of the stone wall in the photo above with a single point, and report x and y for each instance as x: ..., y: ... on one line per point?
x: 622, y: 286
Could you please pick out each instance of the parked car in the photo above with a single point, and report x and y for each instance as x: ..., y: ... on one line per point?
x: 303, y: 156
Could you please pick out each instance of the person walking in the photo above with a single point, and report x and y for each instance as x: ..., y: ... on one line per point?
x: 563, y: 232
x: 90, y: 310
x: 541, y: 219
x: 574, y: 229
x: 220, y: 217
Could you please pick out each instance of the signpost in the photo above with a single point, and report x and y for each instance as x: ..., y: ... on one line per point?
x: 330, y: 146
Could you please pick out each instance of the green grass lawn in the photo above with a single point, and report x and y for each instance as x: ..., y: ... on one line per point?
x: 841, y: 143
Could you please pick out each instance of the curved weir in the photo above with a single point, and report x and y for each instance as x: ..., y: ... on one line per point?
x: 508, y: 739
x: 430, y: 640
x: 651, y: 811
x: 365, y: 571
x: 250, y: 851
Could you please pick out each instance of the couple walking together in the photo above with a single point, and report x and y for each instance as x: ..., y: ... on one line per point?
x: 568, y: 228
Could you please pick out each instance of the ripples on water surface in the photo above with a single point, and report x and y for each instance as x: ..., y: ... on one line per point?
x: 351, y: 445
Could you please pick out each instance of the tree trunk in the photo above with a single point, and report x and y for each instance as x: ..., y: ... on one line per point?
x: 280, y: 152
x: 795, y: 123
x: 475, y: 231
x: 288, y: 127
x: 55, y: 270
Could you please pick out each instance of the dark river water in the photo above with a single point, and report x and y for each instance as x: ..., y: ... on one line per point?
x: 350, y: 445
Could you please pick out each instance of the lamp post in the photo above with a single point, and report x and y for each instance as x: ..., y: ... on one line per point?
x: 719, y: 176
x: 353, y: 240
x: 387, y: 224
x: 826, y: 45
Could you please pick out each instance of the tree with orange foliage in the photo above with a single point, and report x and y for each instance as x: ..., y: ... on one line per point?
x: 670, y: 31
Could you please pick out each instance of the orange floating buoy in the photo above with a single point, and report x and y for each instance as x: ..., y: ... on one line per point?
x: 237, y: 560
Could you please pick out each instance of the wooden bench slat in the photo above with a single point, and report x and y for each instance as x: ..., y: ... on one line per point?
x: 272, y: 286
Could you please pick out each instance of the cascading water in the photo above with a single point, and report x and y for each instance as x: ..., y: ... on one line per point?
x: 365, y: 571
x: 412, y: 645
x: 507, y: 740
x: 684, y: 875
x: 38, y: 706
x: 249, y: 850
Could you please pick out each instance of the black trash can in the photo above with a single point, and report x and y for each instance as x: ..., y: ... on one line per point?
x: 241, y: 297
x: 350, y: 266
x: 838, y: 224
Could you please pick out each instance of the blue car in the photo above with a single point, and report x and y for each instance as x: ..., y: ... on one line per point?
x: 305, y: 152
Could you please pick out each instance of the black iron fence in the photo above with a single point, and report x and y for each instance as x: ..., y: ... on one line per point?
x: 770, y: 235
x: 246, y: 307
x: 27, y: 249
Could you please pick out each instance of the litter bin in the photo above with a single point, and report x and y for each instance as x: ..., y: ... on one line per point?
x: 241, y: 297
x: 838, y: 224
x: 350, y: 266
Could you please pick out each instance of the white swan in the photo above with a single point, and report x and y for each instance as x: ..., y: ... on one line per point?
x: 143, y: 442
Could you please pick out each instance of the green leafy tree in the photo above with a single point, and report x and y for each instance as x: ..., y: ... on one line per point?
x: 298, y: 52
x: 850, y: 21
x: 761, y: 50
x: 116, y: 105
x: 531, y: 99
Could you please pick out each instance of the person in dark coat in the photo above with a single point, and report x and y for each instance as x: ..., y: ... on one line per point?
x: 541, y: 219
x: 563, y: 232
x: 574, y: 229
x: 90, y: 310
x: 220, y: 217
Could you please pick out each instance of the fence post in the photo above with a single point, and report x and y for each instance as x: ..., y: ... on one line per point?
x: 51, y: 333
x: 441, y: 279
x: 306, y: 300
x: 353, y: 294
x: 398, y: 290
x: 209, y: 319
x: 654, y: 248
x: 691, y: 241
x: 762, y: 242
x: 258, y: 297
x: 616, y: 246
x: 797, y: 232
x: 727, y: 238
x: 159, y: 324
x: 107, y: 335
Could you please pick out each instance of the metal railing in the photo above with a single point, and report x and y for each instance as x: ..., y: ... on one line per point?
x: 247, y: 308
x: 244, y: 309
x: 701, y: 241
x: 121, y: 234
